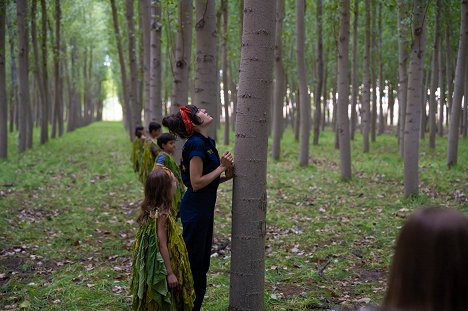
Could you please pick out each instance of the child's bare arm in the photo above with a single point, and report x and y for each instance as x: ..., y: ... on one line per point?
x: 162, y: 237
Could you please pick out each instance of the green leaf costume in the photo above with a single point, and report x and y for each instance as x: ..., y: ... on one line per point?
x: 137, y: 153
x: 149, y: 286
x: 168, y: 161
x: 150, y: 152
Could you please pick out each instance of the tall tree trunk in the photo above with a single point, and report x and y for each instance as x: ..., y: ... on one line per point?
x: 373, y: 70
x: 442, y: 85
x: 13, y: 97
x: 318, y: 88
x: 57, y: 102
x: 225, y: 72
x: 233, y: 88
x: 413, y: 109
x: 3, y: 95
x: 155, y: 64
x: 206, y: 78
x: 462, y: 56
x: 182, y: 56
x: 135, y: 106
x: 381, y: 80
x: 354, y: 70
x: 145, y: 28
x: 37, y: 68
x: 325, y: 94
x: 434, y: 79
x: 302, y: 79
x: 123, y: 72
x: 343, y: 92
x: 448, y: 64
x: 23, y: 52
x: 181, y: 69
x: 45, y: 77
x: 365, y: 110
x: 424, y: 100
x: 249, y: 194
x: 391, y: 103
x: 465, y: 103
x: 278, y: 99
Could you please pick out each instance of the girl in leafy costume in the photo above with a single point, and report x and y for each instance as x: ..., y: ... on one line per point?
x: 161, y: 275
x: 137, y: 148
x: 150, y: 151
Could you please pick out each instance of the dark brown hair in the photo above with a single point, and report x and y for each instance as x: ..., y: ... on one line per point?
x: 157, y: 194
x: 430, y: 267
x: 176, y: 125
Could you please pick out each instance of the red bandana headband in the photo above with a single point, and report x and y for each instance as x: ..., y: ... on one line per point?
x: 184, y: 112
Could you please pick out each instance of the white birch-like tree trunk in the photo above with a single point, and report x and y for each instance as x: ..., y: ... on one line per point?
x: 365, y: 110
x: 318, y: 88
x: 434, y: 80
x: 278, y: 98
x: 343, y: 92
x: 302, y: 80
x: 3, y: 95
x: 413, y: 109
x: 462, y: 56
x: 145, y: 25
x: 247, y: 286
x: 155, y: 63
x: 23, y: 55
x: 205, y: 65
x: 355, y: 87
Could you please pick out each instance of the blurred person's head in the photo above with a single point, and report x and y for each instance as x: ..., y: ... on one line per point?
x: 429, y: 271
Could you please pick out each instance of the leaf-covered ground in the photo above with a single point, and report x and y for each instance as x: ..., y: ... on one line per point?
x: 68, y: 210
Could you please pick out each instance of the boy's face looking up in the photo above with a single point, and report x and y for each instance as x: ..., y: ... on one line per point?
x: 170, y: 147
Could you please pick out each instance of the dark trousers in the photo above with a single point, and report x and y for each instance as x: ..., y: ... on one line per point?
x: 198, y: 237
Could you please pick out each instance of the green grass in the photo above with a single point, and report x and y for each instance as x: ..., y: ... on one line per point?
x: 67, y: 212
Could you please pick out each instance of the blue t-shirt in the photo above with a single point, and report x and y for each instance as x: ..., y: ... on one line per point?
x: 200, y: 203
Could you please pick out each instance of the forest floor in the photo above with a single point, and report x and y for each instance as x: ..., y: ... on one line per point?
x: 68, y: 210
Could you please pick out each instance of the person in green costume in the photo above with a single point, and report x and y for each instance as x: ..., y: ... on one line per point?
x: 161, y: 275
x: 150, y: 150
x: 167, y: 143
x: 137, y: 148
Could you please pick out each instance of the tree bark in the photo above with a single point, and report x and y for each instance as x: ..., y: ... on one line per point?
x: 424, y: 100
x: 442, y: 86
x: 381, y: 79
x: 278, y: 99
x: 3, y: 95
x: 37, y: 68
x: 318, y: 88
x: 23, y: 52
x: 205, y: 72
x: 135, y: 105
x: 343, y: 92
x: 413, y: 110
x: 155, y: 64
x: 434, y: 80
x: 354, y: 70
x: 225, y: 72
x: 365, y: 110
x: 182, y: 56
x: 373, y: 59
x: 145, y: 25
x: 13, y: 96
x: 302, y: 80
x: 123, y: 72
x: 58, y: 92
x: 249, y: 194
x: 45, y: 77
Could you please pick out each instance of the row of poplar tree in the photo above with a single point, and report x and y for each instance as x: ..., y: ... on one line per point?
x: 163, y: 54
x: 51, y: 69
